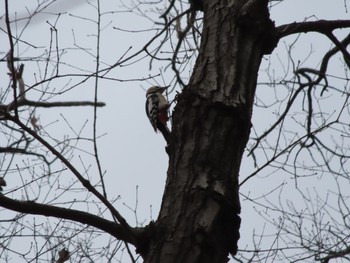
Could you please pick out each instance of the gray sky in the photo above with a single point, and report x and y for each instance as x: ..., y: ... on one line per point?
x: 131, y: 153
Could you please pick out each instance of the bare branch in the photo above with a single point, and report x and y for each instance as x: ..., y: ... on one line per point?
x: 22, y: 151
x: 41, y: 104
x: 321, y: 26
x: 341, y: 46
x: 311, y: 83
x: 84, y: 182
x: 97, y: 158
x: 30, y: 207
x: 10, y: 57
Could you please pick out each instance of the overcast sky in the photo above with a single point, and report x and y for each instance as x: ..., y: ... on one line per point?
x: 131, y: 153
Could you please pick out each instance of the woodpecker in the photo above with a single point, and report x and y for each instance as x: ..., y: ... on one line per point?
x: 157, y: 110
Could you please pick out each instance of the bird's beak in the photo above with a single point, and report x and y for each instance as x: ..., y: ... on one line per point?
x: 162, y: 89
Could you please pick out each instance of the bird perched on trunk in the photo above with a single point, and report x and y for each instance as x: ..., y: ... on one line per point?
x: 157, y: 108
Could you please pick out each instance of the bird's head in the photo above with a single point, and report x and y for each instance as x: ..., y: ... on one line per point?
x: 156, y: 89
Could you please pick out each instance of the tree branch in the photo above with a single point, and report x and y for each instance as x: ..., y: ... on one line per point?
x: 41, y: 104
x: 22, y: 151
x: 60, y: 103
x: 10, y: 57
x: 321, y: 26
x: 340, y: 46
x: 83, y: 181
x: 30, y: 207
x: 336, y: 254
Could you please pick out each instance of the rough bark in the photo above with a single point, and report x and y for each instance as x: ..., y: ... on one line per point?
x: 199, y: 218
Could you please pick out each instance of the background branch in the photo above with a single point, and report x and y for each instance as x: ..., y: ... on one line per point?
x: 321, y: 26
x: 30, y: 207
x: 85, y: 183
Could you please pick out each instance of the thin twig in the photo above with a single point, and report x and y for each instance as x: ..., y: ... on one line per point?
x: 83, y: 181
x: 10, y: 58
x: 96, y: 97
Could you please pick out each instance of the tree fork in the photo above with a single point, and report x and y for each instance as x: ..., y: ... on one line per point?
x: 199, y: 217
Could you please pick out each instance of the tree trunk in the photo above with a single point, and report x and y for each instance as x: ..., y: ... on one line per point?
x: 199, y: 218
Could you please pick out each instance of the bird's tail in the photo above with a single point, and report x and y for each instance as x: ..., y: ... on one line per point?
x: 163, y: 128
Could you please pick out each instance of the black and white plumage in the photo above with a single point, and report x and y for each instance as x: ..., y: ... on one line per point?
x: 157, y: 110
